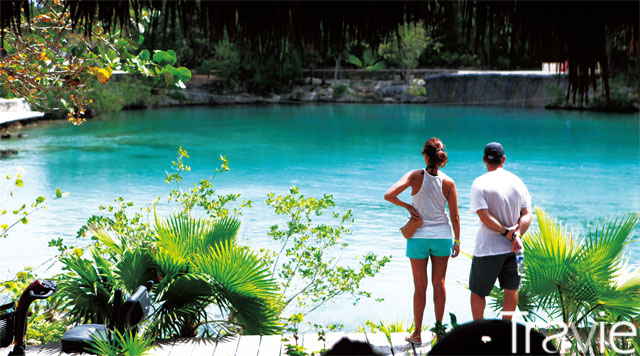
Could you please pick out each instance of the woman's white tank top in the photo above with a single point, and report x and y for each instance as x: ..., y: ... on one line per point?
x: 431, y: 204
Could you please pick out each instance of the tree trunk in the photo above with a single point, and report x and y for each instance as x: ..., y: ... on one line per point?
x: 313, y: 69
x: 335, y: 72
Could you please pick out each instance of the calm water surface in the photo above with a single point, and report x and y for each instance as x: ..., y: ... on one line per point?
x: 578, y: 166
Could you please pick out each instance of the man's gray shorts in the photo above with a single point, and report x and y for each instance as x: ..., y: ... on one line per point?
x: 485, y: 270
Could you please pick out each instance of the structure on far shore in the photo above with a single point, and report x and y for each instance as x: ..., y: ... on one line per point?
x: 16, y: 111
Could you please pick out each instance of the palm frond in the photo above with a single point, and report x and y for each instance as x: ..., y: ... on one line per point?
x: 181, y: 234
x: 179, y: 300
x: 579, y: 277
x: 86, y: 296
x: 170, y: 264
x: 243, y: 284
x: 604, y: 246
x: 222, y: 230
x: 629, y: 281
x: 550, y: 255
x: 135, y: 268
x: 105, y: 238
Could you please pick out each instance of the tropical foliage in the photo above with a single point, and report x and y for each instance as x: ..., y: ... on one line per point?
x: 51, y: 65
x: 577, y: 278
x: 405, y: 49
x: 307, y: 263
x: 205, y: 282
x: 267, y: 73
x: 121, y: 344
x: 368, y: 61
x: 195, y: 262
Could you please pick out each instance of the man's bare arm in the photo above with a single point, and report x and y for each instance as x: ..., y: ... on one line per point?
x: 494, y: 224
x: 525, y: 220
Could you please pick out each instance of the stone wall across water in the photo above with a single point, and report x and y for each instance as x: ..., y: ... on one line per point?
x: 513, y: 89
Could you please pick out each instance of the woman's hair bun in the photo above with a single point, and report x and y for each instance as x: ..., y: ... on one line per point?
x: 434, y: 149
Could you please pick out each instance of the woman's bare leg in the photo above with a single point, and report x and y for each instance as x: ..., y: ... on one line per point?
x: 438, y: 272
x: 419, y: 269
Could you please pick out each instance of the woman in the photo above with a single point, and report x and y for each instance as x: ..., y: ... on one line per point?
x: 431, y: 190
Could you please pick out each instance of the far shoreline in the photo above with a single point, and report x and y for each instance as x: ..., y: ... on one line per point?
x: 509, y: 89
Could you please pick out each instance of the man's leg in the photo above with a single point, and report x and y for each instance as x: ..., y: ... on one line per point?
x: 510, y: 302
x: 483, y: 275
x: 509, y: 282
x: 477, y: 306
x: 419, y: 269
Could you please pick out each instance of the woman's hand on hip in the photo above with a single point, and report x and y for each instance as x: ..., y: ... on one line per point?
x: 414, y: 213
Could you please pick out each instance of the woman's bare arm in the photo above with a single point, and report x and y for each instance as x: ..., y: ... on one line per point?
x: 452, y: 198
x: 392, y: 194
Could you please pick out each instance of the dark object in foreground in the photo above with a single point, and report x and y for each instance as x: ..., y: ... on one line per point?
x: 492, y: 337
x: 349, y: 347
x: 13, y: 316
x: 124, y: 317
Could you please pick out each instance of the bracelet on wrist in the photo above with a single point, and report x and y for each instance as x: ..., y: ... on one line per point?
x: 456, y: 242
x: 506, y: 231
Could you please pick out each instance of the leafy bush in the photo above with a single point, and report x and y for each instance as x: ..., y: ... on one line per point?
x: 339, y: 90
x: 416, y: 90
x: 308, y: 272
x: 128, y: 92
x: 57, y: 75
x: 195, y: 263
x: 369, y: 60
x: 618, y: 101
x: 262, y: 75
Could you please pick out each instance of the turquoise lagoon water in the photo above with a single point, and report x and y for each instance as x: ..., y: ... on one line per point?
x: 578, y: 166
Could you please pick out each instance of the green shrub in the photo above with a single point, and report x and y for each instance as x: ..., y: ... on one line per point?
x: 416, y: 90
x: 265, y: 74
x: 126, y: 92
x: 555, y: 95
x: 618, y: 101
x: 339, y: 90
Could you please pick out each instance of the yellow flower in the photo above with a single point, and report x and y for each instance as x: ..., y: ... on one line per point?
x: 102, y: 74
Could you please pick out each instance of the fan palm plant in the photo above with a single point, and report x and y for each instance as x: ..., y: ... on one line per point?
x: 200, y: 264
x: 195, y: 263
x: 576, y: 277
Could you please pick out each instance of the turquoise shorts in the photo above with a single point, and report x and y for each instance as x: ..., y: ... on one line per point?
x: 423, y: 248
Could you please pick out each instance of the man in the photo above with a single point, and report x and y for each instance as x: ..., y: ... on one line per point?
x: 503, y: 204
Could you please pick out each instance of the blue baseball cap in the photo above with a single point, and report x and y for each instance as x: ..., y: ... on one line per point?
x: 493, y: 152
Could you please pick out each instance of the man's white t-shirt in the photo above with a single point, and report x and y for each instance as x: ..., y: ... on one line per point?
x: 505, y: 195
